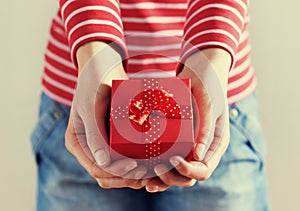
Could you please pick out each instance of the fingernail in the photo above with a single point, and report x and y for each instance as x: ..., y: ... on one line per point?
x: 155, y: 189
x: 175, y: 160
x: 131, y: 166
x: 200, y: 152
x: 101, y: 157
x: 139, y: 174
x: 152, y: 189
x: 208, y: 155
x: 159, y: 170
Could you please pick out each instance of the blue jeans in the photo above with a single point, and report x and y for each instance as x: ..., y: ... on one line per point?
x: 238, y: 183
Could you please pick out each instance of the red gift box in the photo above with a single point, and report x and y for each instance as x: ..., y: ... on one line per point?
x: 151, y: 119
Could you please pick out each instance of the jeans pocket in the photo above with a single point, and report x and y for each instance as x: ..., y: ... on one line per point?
x: 247, y: 139
x: 50, y: 114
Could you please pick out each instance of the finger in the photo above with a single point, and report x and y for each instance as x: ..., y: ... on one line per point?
x: 117, y: 182
x: 121, y: 167
x: 205, y: 124
x: 79, y: 133
x: 172, y: 178
x: 201, y: 147
x: 102, y: 109
x: 73, y: 144
x: 202, y: 107
x: 137, y: 173
x: 156, y: 185
x: 203, y: 170
x: 193, y: 169
x: 221, y: 139
x: 95, y: 127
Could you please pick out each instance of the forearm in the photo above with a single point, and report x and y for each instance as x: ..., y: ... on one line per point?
x: 214, y: 24
x: 91, y: 21
x: 218, y: 59
x: 101, y: 62
x: 88, y: 50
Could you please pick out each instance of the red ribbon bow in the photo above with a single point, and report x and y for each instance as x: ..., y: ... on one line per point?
x: 152, y: 100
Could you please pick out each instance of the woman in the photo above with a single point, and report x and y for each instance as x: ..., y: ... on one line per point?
x: 206, y: 41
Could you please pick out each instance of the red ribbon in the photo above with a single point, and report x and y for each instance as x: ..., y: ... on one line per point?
x: 152, y: 100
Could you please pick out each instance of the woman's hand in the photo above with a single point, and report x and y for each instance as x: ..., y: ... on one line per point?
x: 208, y: 73
x: 86, y: 136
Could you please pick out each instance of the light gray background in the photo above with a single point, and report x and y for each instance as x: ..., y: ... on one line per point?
x: 275, y: 33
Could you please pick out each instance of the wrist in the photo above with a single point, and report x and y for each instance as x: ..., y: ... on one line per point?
x: 90, y: 49
x: 212, y: 58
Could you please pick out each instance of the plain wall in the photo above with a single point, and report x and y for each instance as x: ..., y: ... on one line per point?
x: 275, y: 33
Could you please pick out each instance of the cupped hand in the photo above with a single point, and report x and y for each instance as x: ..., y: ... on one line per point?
x: 208, y: 73
x: 86, y: 136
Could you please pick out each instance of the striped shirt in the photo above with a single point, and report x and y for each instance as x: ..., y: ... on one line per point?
x: 153, y: 34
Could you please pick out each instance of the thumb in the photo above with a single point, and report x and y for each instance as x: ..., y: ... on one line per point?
x: 220, y: 139
x: 204, y: 128
x: 203, y: 113
x: 95, y: 127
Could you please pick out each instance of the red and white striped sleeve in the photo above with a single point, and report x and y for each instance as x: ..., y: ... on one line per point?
x: 92, y: 20
x: 214, y: 23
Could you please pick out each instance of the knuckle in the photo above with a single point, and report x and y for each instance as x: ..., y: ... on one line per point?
x: 224, y: 144
x: 167, y: 182
x: 137, y: 184
x: 67, y: 139
x: 94, y: 171
x: 186, y: 171
x: 85, y: 108
x: 191, y: 183
x: 205, y: 129
x: 205, y: 176
x: 69, y: 143
x: 102, y: 184
x: 68, y: 146
x: 67, y: 134
x: 129, y: 183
